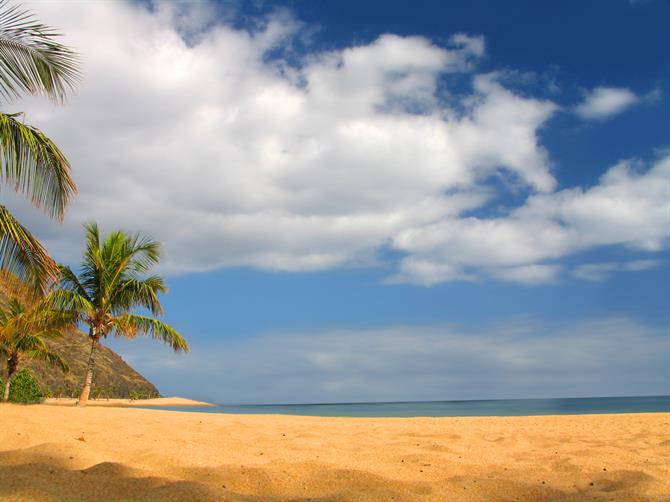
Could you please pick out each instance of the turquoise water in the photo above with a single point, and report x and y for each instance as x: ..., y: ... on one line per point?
x: 496, y: 407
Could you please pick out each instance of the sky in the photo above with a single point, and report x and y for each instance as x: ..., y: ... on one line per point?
x: 380, y: 201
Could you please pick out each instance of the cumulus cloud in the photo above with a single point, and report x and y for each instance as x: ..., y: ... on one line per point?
x: 627, y: 207
x: 512, y: 359
x: 603, y: 102
x: 233, y: 148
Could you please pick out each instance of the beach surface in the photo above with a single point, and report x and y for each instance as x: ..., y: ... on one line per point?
x: 53, y: 453
x: 114, y: 402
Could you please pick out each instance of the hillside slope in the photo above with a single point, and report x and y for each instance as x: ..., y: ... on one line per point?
x: 112, y: 377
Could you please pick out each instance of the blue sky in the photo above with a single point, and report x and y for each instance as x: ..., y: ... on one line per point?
x: 382, y: 201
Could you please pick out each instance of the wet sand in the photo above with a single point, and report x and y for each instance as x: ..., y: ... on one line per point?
x: 53, y: 453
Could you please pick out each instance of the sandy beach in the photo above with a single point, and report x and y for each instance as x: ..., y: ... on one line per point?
x: 50, y: 453
x: 124, y: 403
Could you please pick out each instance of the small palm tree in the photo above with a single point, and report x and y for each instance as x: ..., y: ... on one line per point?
x: 23, y: 334
x: 110, y: 285
x: 31, y: 62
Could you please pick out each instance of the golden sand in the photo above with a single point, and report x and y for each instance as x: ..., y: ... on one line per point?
x: 54, y: 453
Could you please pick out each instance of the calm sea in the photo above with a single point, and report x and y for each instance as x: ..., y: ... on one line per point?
x: 496, y: 407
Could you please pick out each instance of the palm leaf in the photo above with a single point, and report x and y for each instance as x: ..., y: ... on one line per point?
x: 131, y: 325
x: 22, y: 254
x: 70, y: 281
x: 49, y: 357
x: 68, y: 301
x: 135, y: 292
x: 12, y: 287
x: 31, y: 59
x: 34, y: 166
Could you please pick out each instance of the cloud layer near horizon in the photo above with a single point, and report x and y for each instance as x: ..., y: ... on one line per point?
x: 231, y: 156
x: 513, y: 359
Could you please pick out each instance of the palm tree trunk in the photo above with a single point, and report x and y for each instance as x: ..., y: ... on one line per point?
x: 88, y: 379
x: 11, y: 368
x: 5, y: 396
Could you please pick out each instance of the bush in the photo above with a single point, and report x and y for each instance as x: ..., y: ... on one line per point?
x: 24, y: 388
x: 134, y: 395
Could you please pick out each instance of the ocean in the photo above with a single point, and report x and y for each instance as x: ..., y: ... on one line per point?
x: 491, y: 407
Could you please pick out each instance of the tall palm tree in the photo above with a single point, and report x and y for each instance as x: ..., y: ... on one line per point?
x: 24, y: 330
x: 111, y: 283
x: 32, y: 62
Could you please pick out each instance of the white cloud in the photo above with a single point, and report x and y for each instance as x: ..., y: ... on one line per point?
x: 626, y: 207
x: 529, y: 274
x: 603, y: 102
x: 232, y: 157
x: 522, y: 358
x: 601, y: 271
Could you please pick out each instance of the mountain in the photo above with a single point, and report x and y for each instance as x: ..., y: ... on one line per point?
x: 112, y: 377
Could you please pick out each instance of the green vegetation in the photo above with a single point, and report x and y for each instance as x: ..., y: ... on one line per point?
x: 35, y: 318
x: 113, y: 377
x: 32, y: 62
x: 24, y: 328
x: 110, y: 284
x: 24, y: 388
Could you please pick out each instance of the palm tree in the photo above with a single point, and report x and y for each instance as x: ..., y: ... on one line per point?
x: 110, y: 285
x: 31, y: 62
x: 23, y: 334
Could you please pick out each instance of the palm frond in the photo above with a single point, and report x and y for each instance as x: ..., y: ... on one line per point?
x: 127, y: 256
x: 22, y: 254
x: 132, y: 325
x: 4, y: 317
x: 37, y: 320
x: 145, y: 253
x: 51, y: 323
x: 12, y: 287
x: 67, y: 301
x: 135, y: 292
x: 51, y: 358
x: 70, y: 281
x: 25, y: 342
x: 35, y: 166
x: 92, y: 265
x: 32, y: 61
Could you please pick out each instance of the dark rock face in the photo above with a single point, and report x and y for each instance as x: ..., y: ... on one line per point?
x: 112, y: 378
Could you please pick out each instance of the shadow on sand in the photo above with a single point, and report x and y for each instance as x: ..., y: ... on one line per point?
x: 41, y: 473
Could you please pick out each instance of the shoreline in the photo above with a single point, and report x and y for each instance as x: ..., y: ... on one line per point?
x: 127, y: 403
x: 182, y: 404
x: 113, y: 453
x: 475, y: 408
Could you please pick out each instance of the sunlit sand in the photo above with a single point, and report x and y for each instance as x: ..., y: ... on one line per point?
x: 66, y: 453
x: 115, y: 402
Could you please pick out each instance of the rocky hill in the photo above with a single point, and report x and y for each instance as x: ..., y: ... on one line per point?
x: 112, y: 378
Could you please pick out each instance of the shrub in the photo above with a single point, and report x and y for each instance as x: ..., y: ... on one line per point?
x: 24, y: 388
x: 134, y: 395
